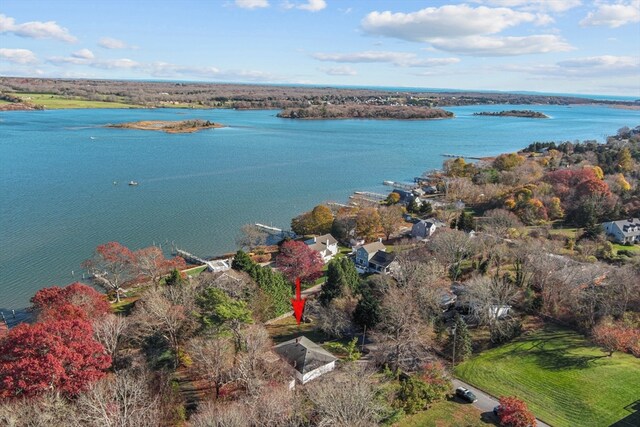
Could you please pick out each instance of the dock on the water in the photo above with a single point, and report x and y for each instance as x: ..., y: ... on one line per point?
x: 276, y: 231
x: 212, y: 265
x: 400, y: 185
x: 456, y: 156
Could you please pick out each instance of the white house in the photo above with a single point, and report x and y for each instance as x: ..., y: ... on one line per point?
x: 623, y: 231
x: 326, y: 246
x: 307, y: 358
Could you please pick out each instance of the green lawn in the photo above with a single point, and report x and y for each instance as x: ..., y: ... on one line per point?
x: 634, y: 249
x: 55, y: 102
x: 446, y: 414
x: 564, y: 379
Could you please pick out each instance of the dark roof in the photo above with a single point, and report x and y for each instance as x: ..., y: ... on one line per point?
x: 383, y: 259
x: 303, y: 354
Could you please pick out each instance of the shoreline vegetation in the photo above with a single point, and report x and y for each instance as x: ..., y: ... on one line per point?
x: 514, y: 113
x: 294, y: 101
x: 323, y: 112
x: 182, y: 126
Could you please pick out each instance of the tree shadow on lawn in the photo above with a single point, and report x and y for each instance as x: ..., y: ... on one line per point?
x: 553, y: 351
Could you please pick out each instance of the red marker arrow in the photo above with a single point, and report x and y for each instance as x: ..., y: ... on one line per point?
x: 298, y: 303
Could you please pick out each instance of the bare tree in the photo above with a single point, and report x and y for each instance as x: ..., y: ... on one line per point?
x: 451, y: 247
x: 215, y: 414
x: 251, y: 236
x: 252, y: 368
x: 345, y: 398
x: 274, y: 406
x: 152, y: 264
x: 110, y: 331
x: 156, y: 314
x: 213, y: 360
x: 498, y: 222
x: 122, y: 400
x: 334, y: 319
x: 47, y: 410
x: 486, y: 296
x: 401, y: 336
x: 422, y: 276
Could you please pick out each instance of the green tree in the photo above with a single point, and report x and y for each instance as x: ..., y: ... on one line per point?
x: 462, y: 339
x: 341, y: 276
x: 175, y: 278
x: 465, y: 222
x: 367, y: 312
x: 242, y: 261
x: 625, y: 162
x: 220, y: 313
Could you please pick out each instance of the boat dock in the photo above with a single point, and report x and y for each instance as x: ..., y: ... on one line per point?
x: 456, y: 156
x: 212, y: 265
x: 400, y: 185
x: 274, y: 231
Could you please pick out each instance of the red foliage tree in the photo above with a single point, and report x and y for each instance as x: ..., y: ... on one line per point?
x: 112, y: 265
x: 616, y: 337
x: 298, y: 260
x: 152, y: 264
x: 513, y: 412
x: 49, y: 300
x: 58, y: 355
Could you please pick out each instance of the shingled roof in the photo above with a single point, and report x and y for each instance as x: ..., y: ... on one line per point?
x: 303, y: 354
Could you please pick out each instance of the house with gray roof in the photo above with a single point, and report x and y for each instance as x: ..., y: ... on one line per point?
x: 326, y: 246
x: 623, y: 231
x: 423, y: 229
x: 374, y: 258
x: 307, y: 358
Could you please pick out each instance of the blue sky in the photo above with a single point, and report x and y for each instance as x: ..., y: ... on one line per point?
x: 566, y: 46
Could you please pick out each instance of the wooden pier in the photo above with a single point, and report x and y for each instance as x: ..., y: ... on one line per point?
x: 274, y: 231
x: 455, y: 156
x: 212, y: 265
x: 400, y: 185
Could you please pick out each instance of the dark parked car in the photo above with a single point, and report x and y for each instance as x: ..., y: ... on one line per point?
x: 495, y: 410
x: 466, y: 395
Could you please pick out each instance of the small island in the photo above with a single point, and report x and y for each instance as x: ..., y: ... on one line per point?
x: 529, y: 114
x: 364, y: 111
x: 182, y: 126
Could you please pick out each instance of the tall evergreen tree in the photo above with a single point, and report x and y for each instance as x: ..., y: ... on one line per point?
x: 462, y: 339
x: 242, y: 261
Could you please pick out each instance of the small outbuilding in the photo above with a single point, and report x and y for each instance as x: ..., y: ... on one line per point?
x: 307, y: 358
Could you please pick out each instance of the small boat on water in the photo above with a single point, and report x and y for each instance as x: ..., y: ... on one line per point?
x: 133, y: 182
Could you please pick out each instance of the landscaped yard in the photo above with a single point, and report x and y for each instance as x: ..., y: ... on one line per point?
x: 564, y: 379
x: 446, y: 414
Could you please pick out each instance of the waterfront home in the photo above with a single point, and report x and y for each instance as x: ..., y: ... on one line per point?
x: 307, y: 358
x: 374, y: 258
x: 326, y: 246
x: 623, y: 231
x: 425, y: 228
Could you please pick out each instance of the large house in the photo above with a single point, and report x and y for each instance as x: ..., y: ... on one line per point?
x: 374, y: 258
x: 423, y: 229
x: 307, y: 358
x: 623, y: 231
x: 326, y: 246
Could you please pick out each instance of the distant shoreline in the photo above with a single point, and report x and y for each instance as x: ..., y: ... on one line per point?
x: 514, y: 113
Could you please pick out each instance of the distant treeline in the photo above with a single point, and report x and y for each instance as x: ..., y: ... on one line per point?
x: 364, y: 111
x: 514, y: 113
x: 245, y: 96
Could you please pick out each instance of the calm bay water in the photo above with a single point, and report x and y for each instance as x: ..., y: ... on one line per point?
x: 57, y: 168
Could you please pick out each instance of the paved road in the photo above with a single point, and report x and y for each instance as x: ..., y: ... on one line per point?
x: 486, y: 402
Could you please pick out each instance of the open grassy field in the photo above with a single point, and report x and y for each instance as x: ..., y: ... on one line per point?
x: 564, y: 379
x: 634, y: 249
x: 446, y: 414
x: 56, y: 102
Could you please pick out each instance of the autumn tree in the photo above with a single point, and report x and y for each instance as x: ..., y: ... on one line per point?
x: 77, y: 294
x: 317, y: 221
x: 393, y: 198
x: 509, y: 161
x: 297, y: 260
x: 111, y: 266
x: 616, y: 336
x: 368, y: 223
x: 212, y: 360
x: 55, y: 355
x: 513, y: 412
x: 152, y: 264
x: 390, y: 219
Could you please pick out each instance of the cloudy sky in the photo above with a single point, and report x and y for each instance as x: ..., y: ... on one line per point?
x: 565, y: 46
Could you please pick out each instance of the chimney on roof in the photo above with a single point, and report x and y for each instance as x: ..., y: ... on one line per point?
x: 298, y: 340
x: 380, y: 239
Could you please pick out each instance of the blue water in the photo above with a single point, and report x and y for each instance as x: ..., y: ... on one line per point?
x: 58, y: 201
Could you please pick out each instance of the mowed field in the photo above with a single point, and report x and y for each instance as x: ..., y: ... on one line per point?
x: 448, y: 413
x: 55, y: 102
x: 565, y: 380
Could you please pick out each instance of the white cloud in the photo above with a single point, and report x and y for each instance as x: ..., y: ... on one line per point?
x: 591, y: 66
x: 18, y: 56
x: 400, y: 59
x: 554, y: 6
x: 340, y: 71
x: 613, y: 15
x: 111, y: 43
x: 446, y: 21
x: 502, y: 46
x: 83, y: 54
x: 35, y: 29
x: 310, y: 5
x: 252, y: 4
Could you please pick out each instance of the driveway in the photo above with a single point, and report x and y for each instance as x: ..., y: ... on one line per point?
x: 486, y: 402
